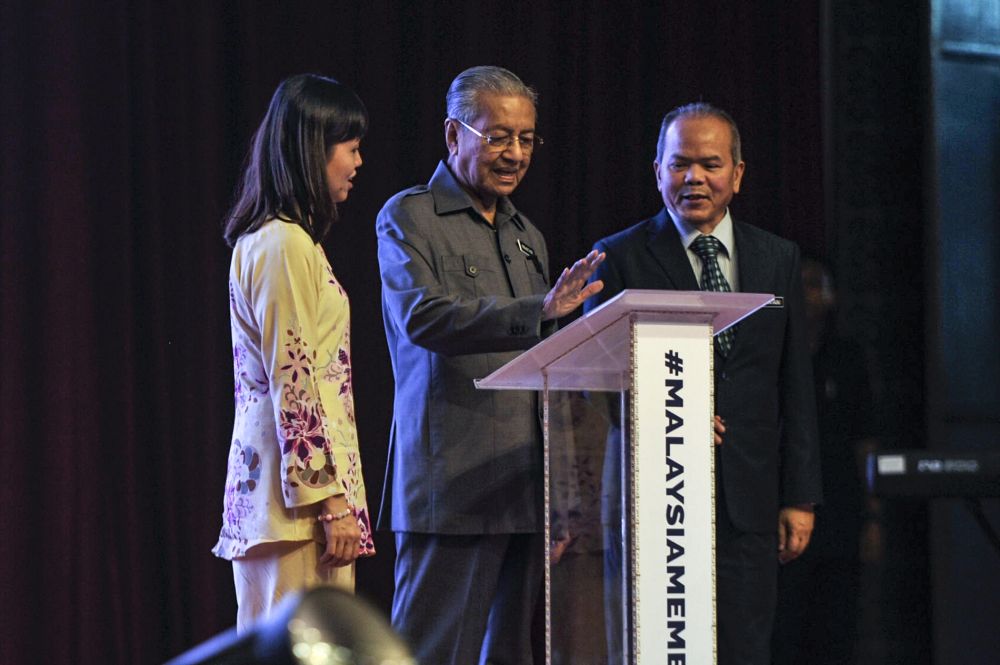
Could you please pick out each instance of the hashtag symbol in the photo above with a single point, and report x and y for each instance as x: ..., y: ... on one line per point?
x: 673, y: 362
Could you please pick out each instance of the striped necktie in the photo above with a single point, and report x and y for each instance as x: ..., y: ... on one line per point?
x: 707, y: 248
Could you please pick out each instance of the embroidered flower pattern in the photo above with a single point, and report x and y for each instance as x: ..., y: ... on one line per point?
x: 305, y: 449
x: 236, y: 508
x: 352, y: 483
x: 246, y: 472
x: 246, y: 387
x: 338, y: 370
x: 244, y: 476
x: 299, y: 361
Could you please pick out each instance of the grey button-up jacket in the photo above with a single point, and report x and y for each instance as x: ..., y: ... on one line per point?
x: 459, y: 299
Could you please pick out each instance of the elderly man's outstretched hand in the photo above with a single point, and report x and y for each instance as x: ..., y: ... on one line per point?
x: 571, y: 289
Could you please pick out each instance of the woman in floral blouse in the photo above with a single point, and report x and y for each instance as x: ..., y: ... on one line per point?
x: 295, y: 513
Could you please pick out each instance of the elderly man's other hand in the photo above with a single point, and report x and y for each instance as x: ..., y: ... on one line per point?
x: 795, y: 527
x: 719, y: 425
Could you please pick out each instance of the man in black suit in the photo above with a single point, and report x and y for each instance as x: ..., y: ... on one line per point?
x: 767, y: 467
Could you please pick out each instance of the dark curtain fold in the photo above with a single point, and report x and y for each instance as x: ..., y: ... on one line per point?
x: 123, y: 127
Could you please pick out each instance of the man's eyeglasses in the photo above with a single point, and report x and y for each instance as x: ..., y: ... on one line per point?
x: 503, y: 142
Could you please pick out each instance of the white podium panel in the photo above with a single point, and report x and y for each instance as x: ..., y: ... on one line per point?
x: 671, y: 517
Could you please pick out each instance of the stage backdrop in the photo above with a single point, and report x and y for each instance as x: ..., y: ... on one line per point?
x: 123, y: 127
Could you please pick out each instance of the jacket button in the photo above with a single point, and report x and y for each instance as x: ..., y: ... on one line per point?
x: 472, y: 270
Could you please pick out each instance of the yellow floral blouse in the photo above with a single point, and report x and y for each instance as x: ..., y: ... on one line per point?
x: 294, y: 438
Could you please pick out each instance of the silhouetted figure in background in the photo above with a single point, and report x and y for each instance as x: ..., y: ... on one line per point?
x: 818, y: 594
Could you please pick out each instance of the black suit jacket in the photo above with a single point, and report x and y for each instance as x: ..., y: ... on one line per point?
x: 764, y: 389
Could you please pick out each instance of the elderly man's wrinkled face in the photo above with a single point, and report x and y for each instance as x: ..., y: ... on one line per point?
x: 489, y: 172
x: 698, y: 178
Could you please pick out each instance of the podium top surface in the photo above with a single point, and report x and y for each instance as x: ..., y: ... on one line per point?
x: 592, y: 353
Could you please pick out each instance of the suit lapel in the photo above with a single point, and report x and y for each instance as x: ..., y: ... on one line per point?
x: 665, y: 245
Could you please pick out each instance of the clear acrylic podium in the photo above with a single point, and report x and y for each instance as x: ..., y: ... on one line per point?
x: 629, y: 476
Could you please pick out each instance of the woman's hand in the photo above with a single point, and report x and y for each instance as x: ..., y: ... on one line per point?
x: 343, y: 536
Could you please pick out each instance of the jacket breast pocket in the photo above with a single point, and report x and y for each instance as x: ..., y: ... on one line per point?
x: 536, y: 278
x: 466, y: 274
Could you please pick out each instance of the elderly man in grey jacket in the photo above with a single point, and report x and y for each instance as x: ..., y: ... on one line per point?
x: 465, y: 287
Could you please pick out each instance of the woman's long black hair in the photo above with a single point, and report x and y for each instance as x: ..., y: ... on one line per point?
x: 285, y: 172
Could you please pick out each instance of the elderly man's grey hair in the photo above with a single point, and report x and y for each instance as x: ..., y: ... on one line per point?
x: 463, y: 94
